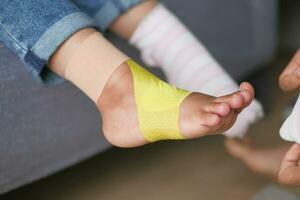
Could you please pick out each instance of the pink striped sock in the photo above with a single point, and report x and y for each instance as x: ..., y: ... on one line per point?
x: 165, y: 42
x: 290, y: 129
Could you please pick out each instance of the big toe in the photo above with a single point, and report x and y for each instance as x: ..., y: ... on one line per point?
x: 247, y: 92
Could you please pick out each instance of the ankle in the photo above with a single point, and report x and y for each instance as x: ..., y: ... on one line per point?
x: 91, y: 63
x: 117, y: 89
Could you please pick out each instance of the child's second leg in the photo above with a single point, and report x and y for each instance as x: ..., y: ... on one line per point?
x: 261, y: 160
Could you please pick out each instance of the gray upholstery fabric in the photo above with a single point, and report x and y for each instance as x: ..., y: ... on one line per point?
x: 43, y: 130
x: 273, y: 192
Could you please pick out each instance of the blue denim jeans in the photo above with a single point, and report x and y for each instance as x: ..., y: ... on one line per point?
x: 34, y: 29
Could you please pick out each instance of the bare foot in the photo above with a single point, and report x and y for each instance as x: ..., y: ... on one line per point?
x: 264, y: 161
x: 200, y: 114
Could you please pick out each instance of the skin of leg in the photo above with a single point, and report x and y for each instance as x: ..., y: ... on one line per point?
x: 60, y: 58
x: 261, y: 160
x: 126, y: 24
x: 200, y: 114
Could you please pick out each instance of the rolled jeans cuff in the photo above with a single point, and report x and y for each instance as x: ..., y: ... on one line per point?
x: 38, y: 56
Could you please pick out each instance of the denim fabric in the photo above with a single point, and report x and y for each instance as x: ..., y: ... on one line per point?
x: 34, y: 29
x: 104, y: 12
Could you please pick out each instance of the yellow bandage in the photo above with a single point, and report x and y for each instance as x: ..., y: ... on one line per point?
x: 158, y: 105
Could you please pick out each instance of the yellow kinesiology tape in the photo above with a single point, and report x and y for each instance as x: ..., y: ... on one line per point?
x: 158, y: 105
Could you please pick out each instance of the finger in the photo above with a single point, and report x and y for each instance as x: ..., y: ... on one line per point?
x: 289, y: 82
x: 290, y: 177
x: 293, y: 64
x: 291, y: 68
x: 291, y: 158
x: 289, y: 173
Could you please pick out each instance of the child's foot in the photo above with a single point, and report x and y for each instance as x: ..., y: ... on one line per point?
x: 264, y: 161
x: 187, y: 63
x: 200, y: 114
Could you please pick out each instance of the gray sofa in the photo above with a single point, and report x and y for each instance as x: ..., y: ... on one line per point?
x: 44, y: 130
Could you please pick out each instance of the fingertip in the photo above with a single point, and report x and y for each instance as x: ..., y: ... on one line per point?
x: 289, y: 82
x: 296, y: 146
x: 298, y: 72
x: 281, y: 83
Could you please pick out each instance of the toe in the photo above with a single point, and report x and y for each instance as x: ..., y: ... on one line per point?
x: 235, y: 100
x: 247, y: 93
x: 247, y: 86
x: 240, y: 99
x: 219, y: 108
x: 210, y: 119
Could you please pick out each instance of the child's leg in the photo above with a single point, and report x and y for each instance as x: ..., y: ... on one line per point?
x: 138, y: 108
x: 165, y: 42
x: 261, y: 160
